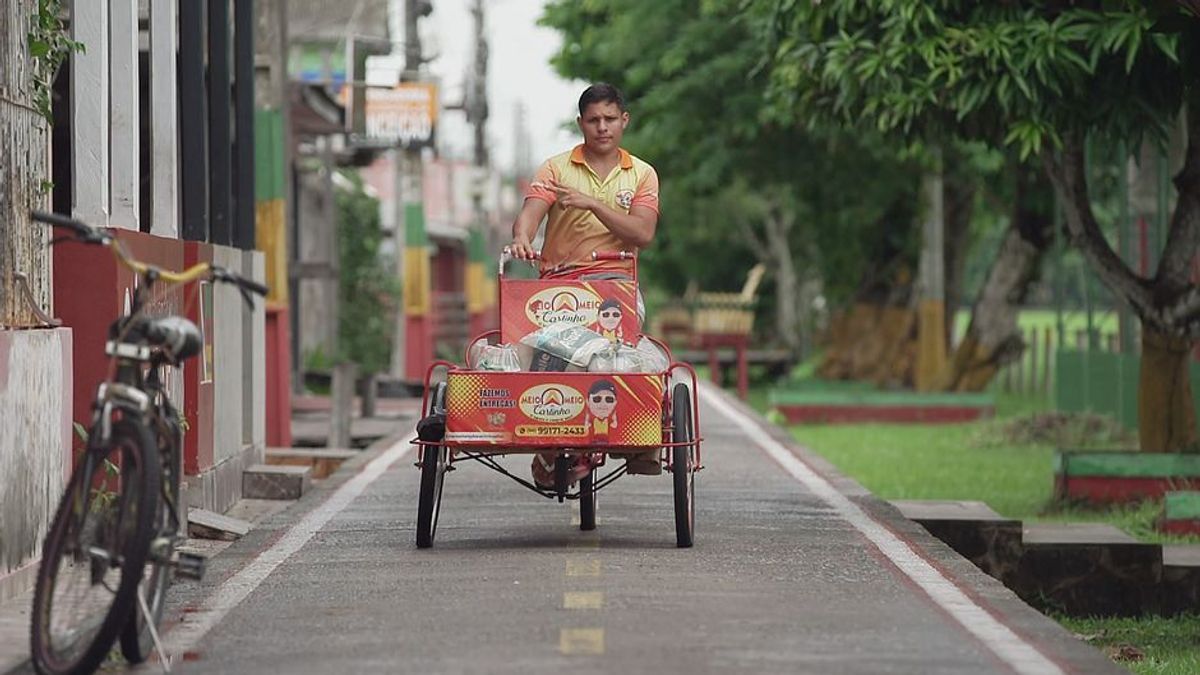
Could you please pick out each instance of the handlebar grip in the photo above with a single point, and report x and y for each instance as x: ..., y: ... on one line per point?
x: 222, y: 274
x: 253, y: 286
x: 59, y: 220
x: 612, y: 255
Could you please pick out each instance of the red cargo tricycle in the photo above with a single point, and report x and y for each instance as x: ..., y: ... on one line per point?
x: 475, y: 414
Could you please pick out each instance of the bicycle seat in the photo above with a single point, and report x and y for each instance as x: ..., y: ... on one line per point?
x: 178, y: 338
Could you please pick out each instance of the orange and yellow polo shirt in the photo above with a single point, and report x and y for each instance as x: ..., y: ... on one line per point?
x: 573, y: 234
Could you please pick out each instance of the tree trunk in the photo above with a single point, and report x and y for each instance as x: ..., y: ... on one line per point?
x: 959, y: 206
x: 993, y: 338
x: 1166, y: 415
x: 783, y: 269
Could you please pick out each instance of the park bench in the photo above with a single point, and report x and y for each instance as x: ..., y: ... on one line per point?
x: 724, y: 320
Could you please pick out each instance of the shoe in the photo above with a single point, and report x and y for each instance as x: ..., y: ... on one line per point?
x: 644, y: 464
x: 543, y: 469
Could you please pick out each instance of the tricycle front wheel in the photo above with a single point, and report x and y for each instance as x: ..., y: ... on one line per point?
x: 434, y: 461
x: 683, y: 459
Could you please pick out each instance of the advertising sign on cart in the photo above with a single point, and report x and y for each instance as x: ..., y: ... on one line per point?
x: 554, y: 409
x: 607, y: 307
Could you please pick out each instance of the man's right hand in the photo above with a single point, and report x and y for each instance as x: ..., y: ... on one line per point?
x: 521, y: 249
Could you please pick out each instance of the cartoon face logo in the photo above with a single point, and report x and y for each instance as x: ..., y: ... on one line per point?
x: 551, y: 402
x: 562, y: 304
x: 602, y: 399
x: 625, y: 198
x: 610, y: 314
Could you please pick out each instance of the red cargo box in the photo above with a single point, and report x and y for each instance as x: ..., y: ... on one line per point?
x: 521, y: 409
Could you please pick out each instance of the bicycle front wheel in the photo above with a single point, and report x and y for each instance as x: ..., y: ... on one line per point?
x: 93, y: 556
x: 136, y: 638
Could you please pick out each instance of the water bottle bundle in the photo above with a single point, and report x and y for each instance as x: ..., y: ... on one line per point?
x: 568, y: 348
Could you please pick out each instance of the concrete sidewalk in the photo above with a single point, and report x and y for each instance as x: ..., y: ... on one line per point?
x: 395, y: 419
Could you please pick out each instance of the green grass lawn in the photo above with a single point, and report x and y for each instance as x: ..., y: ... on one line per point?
x: 1166, y: 646
x: 899, y: 461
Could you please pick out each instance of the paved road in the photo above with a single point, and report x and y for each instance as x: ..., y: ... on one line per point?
x: 795, y: 570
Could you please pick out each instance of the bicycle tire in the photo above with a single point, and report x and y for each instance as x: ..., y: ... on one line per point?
x: 136, y: 639
x: 132, y: 530
x: 587, y: 502
x: 682, y: 465
x: 434, y: 461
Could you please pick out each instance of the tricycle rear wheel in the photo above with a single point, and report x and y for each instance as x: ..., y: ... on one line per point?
x: 683, y: 465
x: 434, y: 461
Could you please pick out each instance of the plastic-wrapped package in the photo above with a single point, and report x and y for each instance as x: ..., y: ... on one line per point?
x: 501, y: 358
x: 617, y: 359
x: 475, y: 351
x: 558, y: 346
x: 654, y: 359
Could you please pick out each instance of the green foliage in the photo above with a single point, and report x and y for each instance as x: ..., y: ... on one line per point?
x: 49, y: 46
x: 1015, y: 74
x: 368, y: 290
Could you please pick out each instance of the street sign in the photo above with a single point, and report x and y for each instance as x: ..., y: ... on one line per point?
x: 404, y: 116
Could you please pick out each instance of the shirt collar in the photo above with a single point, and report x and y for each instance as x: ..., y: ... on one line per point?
x: 626, y: 158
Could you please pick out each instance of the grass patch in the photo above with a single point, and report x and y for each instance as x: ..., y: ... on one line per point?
x: 1162, y: 646
x: 905, y: 461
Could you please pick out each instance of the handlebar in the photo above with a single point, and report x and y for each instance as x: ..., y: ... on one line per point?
x: 506, y: 256
x: 92, y: 235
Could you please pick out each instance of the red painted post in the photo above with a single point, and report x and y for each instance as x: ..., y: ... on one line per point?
x: 743, y: 373
x: 279, y: 377
x: 714, y: 364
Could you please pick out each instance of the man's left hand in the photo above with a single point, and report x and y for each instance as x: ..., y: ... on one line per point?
x: 573, y: 199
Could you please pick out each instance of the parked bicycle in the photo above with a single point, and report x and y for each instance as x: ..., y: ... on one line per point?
x: 111, y: 551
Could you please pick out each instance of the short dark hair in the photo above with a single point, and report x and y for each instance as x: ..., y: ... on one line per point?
x: 610, y: 303
x: 602, y: 385
x: 601, y: 92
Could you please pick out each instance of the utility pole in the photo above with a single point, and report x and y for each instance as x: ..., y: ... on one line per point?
x: 479, y: 298
x: 410, y: 340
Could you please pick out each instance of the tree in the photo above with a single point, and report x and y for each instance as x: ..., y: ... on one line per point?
x: 368, y: 292
x: 1039, y: 78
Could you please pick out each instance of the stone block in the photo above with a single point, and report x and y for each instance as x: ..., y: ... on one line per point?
x: 976, y: 532
x: 204, y: 524
x: 265, y: 481
x: 323, y: 461
x: 1088, y: 569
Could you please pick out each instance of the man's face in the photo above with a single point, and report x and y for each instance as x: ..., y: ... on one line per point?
x: 610, y: 317
x: 602, y: 403
x: 602, y: 125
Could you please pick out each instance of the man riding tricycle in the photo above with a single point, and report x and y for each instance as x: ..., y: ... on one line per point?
x: 569, y: 377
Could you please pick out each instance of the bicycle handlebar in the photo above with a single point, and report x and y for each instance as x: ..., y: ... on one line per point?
x: 92, y: 235
x: 506, y: 255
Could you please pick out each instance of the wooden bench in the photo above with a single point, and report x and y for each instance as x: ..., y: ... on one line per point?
x: 724, y: 320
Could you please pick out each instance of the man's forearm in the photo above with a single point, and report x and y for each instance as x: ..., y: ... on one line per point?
x: 635, y: 229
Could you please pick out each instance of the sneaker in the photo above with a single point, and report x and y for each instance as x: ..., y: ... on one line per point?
x: 644, y: 464
x: 543, y: 469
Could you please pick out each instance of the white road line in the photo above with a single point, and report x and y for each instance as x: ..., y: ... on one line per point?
x: 1007, y: 645
x: 228, y: 595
